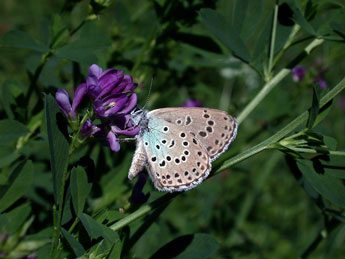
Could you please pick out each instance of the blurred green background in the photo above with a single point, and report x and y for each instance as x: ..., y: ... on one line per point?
x: 257, y: 209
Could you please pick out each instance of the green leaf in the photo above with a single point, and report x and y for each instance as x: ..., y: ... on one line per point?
x: 194, y: 246
x: 339, y: 29
x: 7, y: 155
x: 67, y: 209
x: 329, y: 187
x: 7, y: 98
x: 96, y: 229
x: 260, y: 46
x: 241, y: 7
x: 11, y: 130
x: 314, y: 110
x: 79, y: 189
x: 82, y: 50
x: 225, y: 32
x: 323, y: 112
x: 19, y: 39
x: 59, y: 33
x: 302, y: 21
x: 330, y: 142
x: 15, y: 218
x: 58, y: 143
x: 78, y: 249
x: 19, y: 182
x: 199, y: 41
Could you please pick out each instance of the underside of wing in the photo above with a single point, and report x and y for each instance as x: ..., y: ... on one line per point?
x: 214, y: 129
x: 177, y: 161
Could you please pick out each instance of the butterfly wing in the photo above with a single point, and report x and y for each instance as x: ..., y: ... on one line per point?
x: 176, y: 160
x: 214, y: 129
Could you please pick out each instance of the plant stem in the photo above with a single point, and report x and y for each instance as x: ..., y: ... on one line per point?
x: 142, y: 211
x: 267, y: 88
x: 313, y: 151
x: 262, y: 94
x: 273, y: 38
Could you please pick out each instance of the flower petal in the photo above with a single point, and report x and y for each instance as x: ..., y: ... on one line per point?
x: 192, y: 103
x: 128, y: 131
x: 95, y: 70
x: 131, y: 104
x: 112, y: 106
x: 113, y: 141
x: 63, y: 102
x: 108, y: 83
x: 93, y: 88
x: 78, y: 97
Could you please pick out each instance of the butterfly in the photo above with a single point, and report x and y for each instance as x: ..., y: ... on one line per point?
x: 177, y: 145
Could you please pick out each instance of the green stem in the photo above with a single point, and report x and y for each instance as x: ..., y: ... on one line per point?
x: 149, y: 44
x: 34, y: 79
x: 288, y: 43
x: 313, y: 151
x: 75, y: 223
x: 273, y: 39
x: 274, y: 81
x: 57, y: 224
x: 266, y: 144
x: 142, y: 211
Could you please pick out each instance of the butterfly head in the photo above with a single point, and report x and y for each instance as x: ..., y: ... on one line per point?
x: 138, y: 118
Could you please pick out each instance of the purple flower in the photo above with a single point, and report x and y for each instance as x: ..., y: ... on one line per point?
x: 113, y: 141
x: 111, y: 90
x: 31, y: 256
x: 62, y: 99
x: 89, y: 129
x: 322, y: 83
x: 298, y: 73
x: 120, y: 126
x: 138, y: 197
x: 192, y: 103
x: 113, y: 99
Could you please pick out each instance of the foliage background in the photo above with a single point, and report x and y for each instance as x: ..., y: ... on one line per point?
x: 258, y: 208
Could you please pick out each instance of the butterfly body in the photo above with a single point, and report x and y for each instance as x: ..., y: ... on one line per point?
x: 177, y: 145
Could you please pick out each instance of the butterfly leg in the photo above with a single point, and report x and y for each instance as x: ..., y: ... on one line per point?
x: 138, y: 162
x: 127, y: 139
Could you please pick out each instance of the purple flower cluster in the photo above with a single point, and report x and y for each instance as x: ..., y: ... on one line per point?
x: 113, y: 98
x: 314, y: 74
x: 192, y: 103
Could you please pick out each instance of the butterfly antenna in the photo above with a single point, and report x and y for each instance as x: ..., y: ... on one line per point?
x: 148, y: 95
